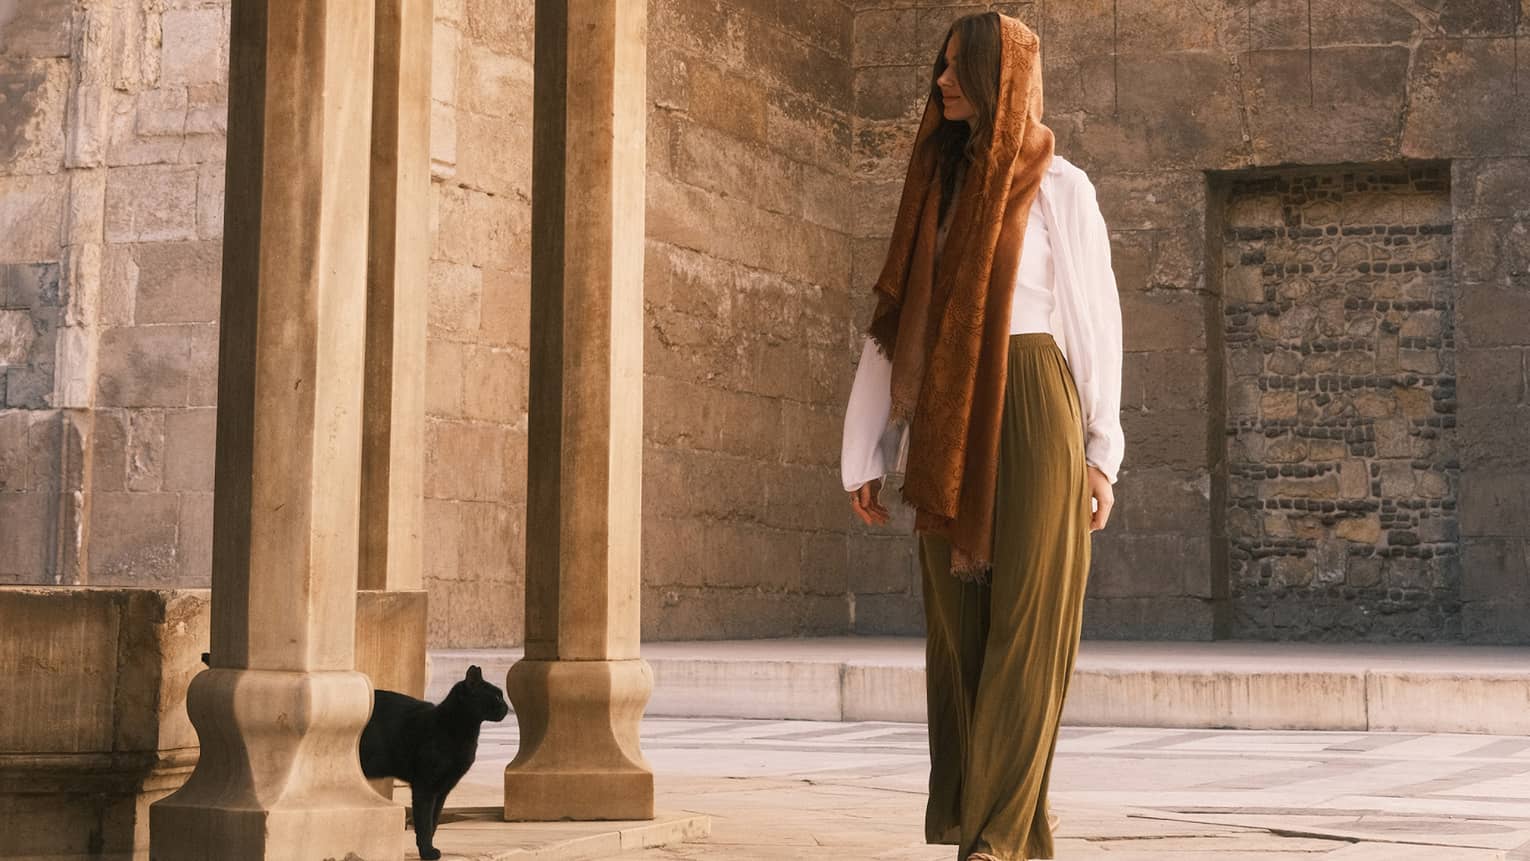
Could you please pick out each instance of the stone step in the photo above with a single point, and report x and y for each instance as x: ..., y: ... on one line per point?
x: 1232, y: 684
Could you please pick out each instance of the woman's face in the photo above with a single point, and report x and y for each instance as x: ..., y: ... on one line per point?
x: 957, y: 108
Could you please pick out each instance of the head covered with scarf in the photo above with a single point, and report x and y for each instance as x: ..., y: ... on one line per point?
x: 944, y: 322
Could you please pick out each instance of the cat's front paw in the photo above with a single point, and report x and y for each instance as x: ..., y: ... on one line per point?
x: 429, y: 853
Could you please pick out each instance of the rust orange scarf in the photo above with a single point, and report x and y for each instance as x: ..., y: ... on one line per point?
x: 946, y: 328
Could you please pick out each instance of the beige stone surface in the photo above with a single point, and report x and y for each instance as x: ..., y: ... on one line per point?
x: 580, y: 690
x: 109, y: 668
x: 776, y: 138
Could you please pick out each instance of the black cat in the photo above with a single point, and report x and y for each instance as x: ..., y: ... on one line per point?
x: 429, y: 746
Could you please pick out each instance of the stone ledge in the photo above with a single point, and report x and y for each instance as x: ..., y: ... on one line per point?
x: 1225, y: 684
x: 479, y: 834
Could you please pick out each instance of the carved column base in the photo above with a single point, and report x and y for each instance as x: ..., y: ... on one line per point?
x: 279, y: 777
x: 579, y: 756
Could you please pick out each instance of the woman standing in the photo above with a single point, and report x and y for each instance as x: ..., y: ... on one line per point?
x: 994, y: 358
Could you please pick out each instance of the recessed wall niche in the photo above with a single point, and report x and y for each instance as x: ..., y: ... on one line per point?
x: 1340, y: 474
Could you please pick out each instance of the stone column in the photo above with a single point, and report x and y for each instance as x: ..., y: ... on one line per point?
x: 279, y: 712
x: 579, y: 693
x: 391, y: 606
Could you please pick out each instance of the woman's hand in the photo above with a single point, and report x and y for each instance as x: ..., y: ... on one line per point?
x: 1104, y: 498
x: 864, y: 500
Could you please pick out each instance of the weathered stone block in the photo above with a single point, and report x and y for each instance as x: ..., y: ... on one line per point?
x: 1170, y: 437
x: 32, y: 115
x: 496, y: 389
x: 464, y: 461
x: 189, y: 449
x: 153, y: 203
x: 1490, y: 187
x: 728, y: 102
x: 1461, y: 101
x: 38, y: 28
x: 194, y: 46
x: 1330, y: 105
x: 117, y: 737
x: 1495, y: 503
x: 31, y: 218
x: 145, y: 366
x: 178, y: 282
x: 1493, y: 317
x: 133, y: 538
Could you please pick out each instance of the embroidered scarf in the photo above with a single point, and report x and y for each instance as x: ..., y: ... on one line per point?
x: 945, y: 327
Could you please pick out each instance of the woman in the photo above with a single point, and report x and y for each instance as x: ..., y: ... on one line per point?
x: 999, y: 372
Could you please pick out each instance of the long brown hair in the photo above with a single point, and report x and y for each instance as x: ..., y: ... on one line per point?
x: 977, y: 68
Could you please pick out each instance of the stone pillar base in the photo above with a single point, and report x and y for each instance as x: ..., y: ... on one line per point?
x: 279, y: 778
x: 579, y: 756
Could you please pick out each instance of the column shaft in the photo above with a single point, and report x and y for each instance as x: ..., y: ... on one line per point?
x: 279, y: 713
x: 580, y: 692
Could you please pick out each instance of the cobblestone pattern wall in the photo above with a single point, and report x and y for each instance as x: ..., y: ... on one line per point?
x: 1342, y: 461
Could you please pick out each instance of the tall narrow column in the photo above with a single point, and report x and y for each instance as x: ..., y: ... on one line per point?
x: 393, y: 434
x: 279, y: 712
x: 391, y: 606
x: 579, y: 693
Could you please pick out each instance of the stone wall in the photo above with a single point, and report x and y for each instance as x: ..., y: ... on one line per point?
x: 111, y: 141
x: 778, y: 135
x: 1173, y: 108
x: 106, y: 472
x: 1343, y: 466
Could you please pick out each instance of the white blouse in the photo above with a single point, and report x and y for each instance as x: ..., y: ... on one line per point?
x: 1066, y: 287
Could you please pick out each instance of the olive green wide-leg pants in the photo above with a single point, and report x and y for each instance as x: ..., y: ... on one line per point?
x: 999, y: 654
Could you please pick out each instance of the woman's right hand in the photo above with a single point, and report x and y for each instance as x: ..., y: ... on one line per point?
x: 864, y: 500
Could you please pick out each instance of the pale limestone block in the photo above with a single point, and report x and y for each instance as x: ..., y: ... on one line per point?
x: 491, y: 83
x: 194, y: 540
x: 194, y: 46
x: 17, y: 336
x: 446, y: 41
x: 161, y: 113
x: 504, y: 311
x: 146, y: 450
x: 207, y: 109
x: 494, y: 155
x: 444, y: 378
x: 133, y: 538
x: 1405, y: 701
x: 443, y: 140
x: 35, y: 28
x: 32, y: 116
x: 497, y: 388
x: 455, y: 289
x: 119, y: 286
x: 188, y: 446
x: 74, y: 367
x: 144, y: 366
x: 151, y: 204
x: 31, y: 218
x: 210, y: 178
x: 177, y: 282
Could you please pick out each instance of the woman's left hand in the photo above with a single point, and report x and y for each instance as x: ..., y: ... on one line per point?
x: 1104, y: 498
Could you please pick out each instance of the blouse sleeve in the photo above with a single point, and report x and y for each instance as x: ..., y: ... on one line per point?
x: 1104, y: 442
x: 861, y: 455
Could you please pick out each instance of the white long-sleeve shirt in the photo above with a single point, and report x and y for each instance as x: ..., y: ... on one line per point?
x: 1066, y: 287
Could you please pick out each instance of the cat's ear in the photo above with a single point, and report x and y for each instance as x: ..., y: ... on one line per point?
x: 474, y: 674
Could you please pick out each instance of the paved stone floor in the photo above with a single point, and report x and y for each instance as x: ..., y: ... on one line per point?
x: 811, y: 790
